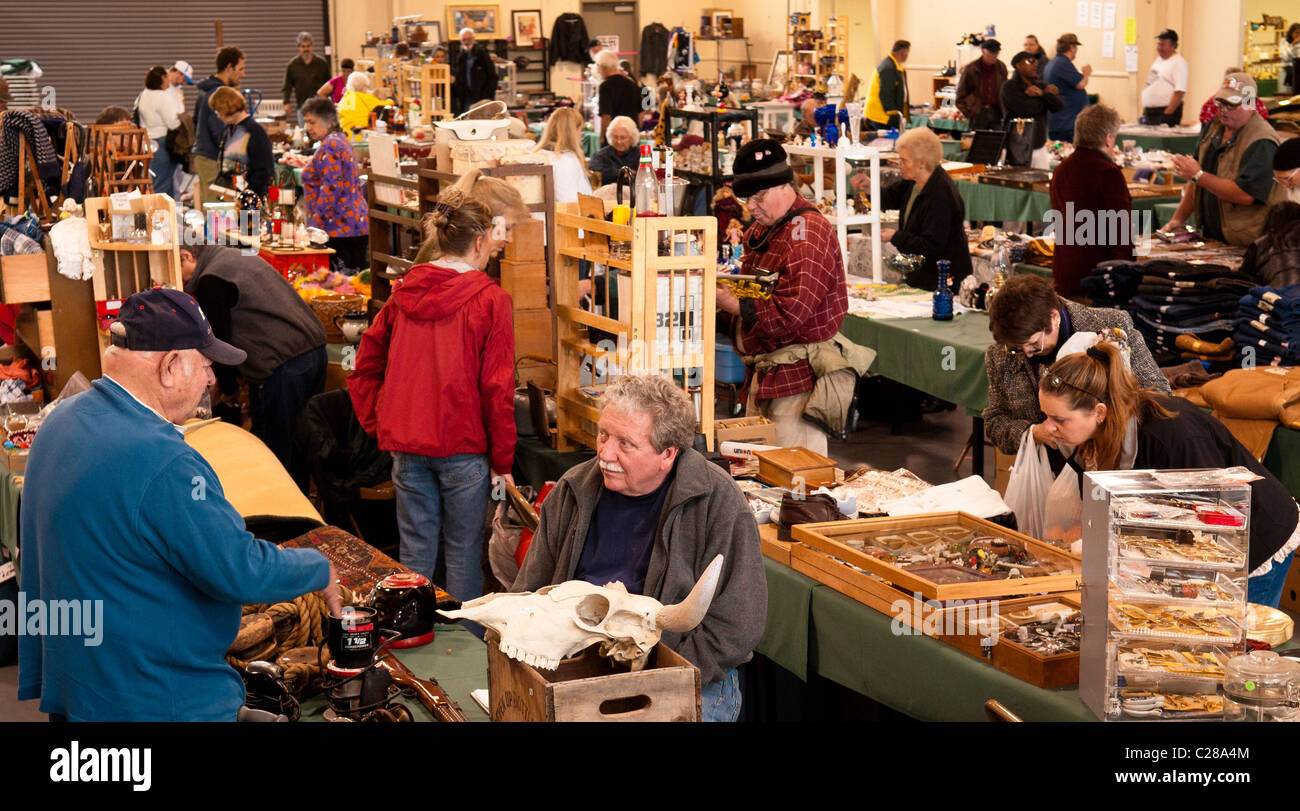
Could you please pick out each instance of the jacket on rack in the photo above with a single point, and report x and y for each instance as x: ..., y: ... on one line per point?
x: 654, y: 49
x: 569, y: 39
x: 16, y: 124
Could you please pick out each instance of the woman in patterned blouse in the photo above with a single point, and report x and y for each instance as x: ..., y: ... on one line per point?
x: 335, y: 200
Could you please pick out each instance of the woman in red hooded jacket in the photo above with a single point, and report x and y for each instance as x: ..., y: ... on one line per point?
x: 434, y: 382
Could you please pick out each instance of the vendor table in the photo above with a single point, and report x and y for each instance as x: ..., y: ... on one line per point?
x: 455, y: 657
x: 953, y: 151
x: 939, y: 123
x: 1177, y: 144
x: 944, y: 359
x: 289, y: 263
x: 252, y: 478
x: 986, y: 202
x: 1037, y: 270
x: 590, y: 140
x: 811, y: 628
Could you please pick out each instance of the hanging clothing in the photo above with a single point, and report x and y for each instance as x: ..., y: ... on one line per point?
x: 654, y: 48
x: 569, y: 39
x: 15, y: 124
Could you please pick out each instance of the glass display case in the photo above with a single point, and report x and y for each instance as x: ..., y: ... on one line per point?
x: 1164, y: 590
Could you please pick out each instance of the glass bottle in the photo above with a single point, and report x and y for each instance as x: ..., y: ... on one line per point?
x: 646, y: 190
x: 942, y: 293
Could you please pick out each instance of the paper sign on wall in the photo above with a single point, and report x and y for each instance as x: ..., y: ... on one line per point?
x: 1082, y: 18
x: 1131, y: 58
x: 1130, y: 31
x: 1095, y: 17
x: 1107, y: 44
x: 1108, y: 16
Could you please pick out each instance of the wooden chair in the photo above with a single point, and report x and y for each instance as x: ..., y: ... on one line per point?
x: 120, y: 155
x: 996, y: 712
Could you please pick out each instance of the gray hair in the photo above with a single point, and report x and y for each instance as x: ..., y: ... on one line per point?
x: 922, y: 145
x: 322, y: 109
x: 1093, y: 124
x: 303, y: 36
x: 671, y: 411
x: 359, y: 81
x: 621, y: 121
x: 607, y: 61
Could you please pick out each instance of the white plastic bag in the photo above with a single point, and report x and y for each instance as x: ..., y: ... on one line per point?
x: 1063, y: 516
x: 1031, y: 477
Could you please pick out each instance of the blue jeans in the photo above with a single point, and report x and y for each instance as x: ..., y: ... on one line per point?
x: 275, y: 402
x: 162, y: 168
x: 443, y: 500
x: 720, y: 700
x: 1266, y: 589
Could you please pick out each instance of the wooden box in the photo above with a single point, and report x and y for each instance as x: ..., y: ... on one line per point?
x: 868, y: 589
x: 590, y: 687
x: 525, y: 282
x: 754, y: 430
x: 780, y: 467
x: 830, y: 538
x: 1006, y: 654
x: 533, y: 333
x: 25, y: 278
x: 527, y: 242
x: 774, y: 547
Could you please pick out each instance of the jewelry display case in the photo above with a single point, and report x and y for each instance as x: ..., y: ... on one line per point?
x: 1164, y: 590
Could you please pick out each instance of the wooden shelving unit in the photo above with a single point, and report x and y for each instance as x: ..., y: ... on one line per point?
x: 657, y: 311
x: 57, y: 322
x: 537, y: 76
x: 825, y: 50
x: 431, y: 84
x: 123, y: 268
x: 119, y: 156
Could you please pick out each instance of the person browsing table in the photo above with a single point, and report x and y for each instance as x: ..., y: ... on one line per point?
x: 335, y: 198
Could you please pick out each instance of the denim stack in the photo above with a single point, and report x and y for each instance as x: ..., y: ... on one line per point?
x: 1183, y: 299
x: 1113, y: 283
x: 1268, y: 326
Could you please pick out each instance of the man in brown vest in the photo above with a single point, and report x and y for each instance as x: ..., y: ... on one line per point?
x: 1230, y: 178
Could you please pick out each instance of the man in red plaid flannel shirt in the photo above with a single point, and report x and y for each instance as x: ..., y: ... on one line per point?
x: 808, y: 305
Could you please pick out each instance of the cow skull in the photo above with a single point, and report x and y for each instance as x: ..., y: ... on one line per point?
x: 555, y: 622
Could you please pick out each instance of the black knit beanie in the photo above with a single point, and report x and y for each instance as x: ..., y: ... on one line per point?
x: 1287, y: 158
x: 760, y: 164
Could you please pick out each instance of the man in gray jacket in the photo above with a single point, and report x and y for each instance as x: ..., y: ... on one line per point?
x: 652, y: 513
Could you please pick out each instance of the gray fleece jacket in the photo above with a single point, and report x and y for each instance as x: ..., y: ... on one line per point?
x: 704, y: 515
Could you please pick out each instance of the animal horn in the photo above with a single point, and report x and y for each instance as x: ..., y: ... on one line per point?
x: 682, y: 617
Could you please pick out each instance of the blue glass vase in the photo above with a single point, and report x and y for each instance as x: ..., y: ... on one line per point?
x: 942, y: 293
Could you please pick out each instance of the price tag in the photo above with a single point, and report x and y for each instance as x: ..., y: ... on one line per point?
x: 7, y: 572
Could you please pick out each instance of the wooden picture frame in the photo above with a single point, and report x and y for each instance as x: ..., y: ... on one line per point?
x: 721, y: 23
x: 526, y: 26
x: 484, y: 19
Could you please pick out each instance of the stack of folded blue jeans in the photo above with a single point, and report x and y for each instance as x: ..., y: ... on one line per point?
x: 1268, y: 326
x: 1113, y: 283
x: 1181, y: 298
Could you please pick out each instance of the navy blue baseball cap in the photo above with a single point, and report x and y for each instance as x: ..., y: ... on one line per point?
x: 160, y: 320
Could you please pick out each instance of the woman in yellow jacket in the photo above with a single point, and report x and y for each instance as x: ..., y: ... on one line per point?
x: 354, y: 109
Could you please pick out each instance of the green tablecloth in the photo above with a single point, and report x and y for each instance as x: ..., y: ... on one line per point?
x: 590, y: 140
x: 537, y: 463
x: 939, y: 123
x: 987, y: 202
x: 854, y: 646
x: 944, y: 359
x: 952, y: 151
x: 455, y: 658
x: 1178, y: 144
x: 1037, y: 270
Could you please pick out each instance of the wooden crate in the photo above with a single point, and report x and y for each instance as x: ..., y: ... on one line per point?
x: 527, y: 243
x: 828, y: 537
x: 24, y: 278
x: 525, y: 282
x: 123, y: 268
x: 431, y: 84
x: 774, y: 547
x: 590, y: 687
x: 647, y: 329
x: 783, y: 466
x: 754, y: 430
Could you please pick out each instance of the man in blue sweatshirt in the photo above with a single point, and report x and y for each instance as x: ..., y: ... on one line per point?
x: 208, y: 127
x: 120, y: 516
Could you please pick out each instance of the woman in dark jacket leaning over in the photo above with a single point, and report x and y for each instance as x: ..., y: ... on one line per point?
x: 931, y: 212
x: 1274, y: 258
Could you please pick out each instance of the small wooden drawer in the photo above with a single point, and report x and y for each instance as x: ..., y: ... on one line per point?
x: 24, y: 278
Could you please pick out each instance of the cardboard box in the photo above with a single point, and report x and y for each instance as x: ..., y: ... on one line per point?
x: 1002, y: 470
x: 525, y: 282
x: 754, y: 430
x: 527, y: 242
x: 592, y: 688
x: 533, y: 330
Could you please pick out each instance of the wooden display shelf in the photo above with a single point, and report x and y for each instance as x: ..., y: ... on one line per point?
x: 658, y: 315
x: 124, y: 268
x: 431, y: 84
x: 828, y: 537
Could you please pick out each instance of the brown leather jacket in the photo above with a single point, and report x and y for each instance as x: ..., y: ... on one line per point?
x: 969, y: 100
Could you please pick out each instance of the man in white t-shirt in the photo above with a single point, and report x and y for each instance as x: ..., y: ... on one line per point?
x: 178, y: 75
x: 1162, y: 98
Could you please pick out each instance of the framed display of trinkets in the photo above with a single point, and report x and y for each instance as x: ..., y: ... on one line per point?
x: 1164, y: 586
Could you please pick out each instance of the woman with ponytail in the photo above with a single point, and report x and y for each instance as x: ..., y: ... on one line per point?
x: 1093, y: 404
x: 434, y: 382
